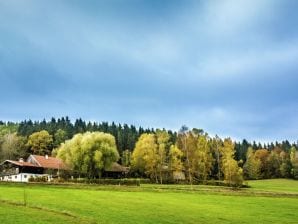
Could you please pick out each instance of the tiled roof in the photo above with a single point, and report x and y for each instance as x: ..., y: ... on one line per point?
x: 49, y: 162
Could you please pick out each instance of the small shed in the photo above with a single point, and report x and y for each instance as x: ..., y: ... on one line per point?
x: 115, y: 171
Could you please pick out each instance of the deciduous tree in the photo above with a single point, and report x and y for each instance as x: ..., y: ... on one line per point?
x: 40, y: 143
x: 233, y: 174
x: 252, y: 165
x: 89, y: 153
x: 203, y: 158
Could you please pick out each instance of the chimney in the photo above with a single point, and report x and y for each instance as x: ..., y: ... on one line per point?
x: 46, y: 156
x: 21, y: 160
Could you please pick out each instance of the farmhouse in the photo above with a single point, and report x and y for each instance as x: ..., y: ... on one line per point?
x: 48, y: 167
x: 35, y: 166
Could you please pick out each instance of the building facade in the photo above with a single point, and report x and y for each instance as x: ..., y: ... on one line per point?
x: 35, y: 166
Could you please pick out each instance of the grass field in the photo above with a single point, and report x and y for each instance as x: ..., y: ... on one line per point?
x: 268, y: 201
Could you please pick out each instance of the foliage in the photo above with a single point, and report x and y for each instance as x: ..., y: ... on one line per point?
x: 12, y: 147
x: 294, y: 162
x: 125, y: 135
x: 126, y: 182
x: 151, y: 154
x: 40, y: 143
x: 187, y: 142
x: 126, y: 158
x: 203, y: 158
x: 144, y: 157
x: 60, y: 136
x: 89, y: 153
x: 274, y: 157
x: 38, y: 179
x: 232, y: 172
x: 252, y: 165
x: 197, y: 150
x: 8, y: 128
x: 175, y: 159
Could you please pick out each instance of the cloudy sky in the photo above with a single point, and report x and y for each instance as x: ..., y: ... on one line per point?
x: 227, y: 66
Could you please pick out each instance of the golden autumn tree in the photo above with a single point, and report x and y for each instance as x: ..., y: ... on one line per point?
x: 233, y: 174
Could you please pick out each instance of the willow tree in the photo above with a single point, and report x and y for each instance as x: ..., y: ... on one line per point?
x: 89, y: 153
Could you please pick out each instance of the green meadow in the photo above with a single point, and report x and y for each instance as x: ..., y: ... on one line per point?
x: 266, y: 201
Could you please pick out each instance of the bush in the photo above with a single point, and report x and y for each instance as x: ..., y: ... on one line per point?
x: 126, y: 182
x: 38, y: 179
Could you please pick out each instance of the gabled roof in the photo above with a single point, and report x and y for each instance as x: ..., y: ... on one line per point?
x: 18, y: 163
x: 49, y: 162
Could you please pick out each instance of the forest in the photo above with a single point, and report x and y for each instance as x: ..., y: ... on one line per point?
x: 161, y: 155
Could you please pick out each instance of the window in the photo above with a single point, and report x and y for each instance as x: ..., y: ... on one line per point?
x: 25, y: 176
x: 15, y: 177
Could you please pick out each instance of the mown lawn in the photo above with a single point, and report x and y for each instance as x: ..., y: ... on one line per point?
x: 12, y: 214
x: 147, y: 204
x: 275, y: 185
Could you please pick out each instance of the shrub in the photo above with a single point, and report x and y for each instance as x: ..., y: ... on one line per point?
x: 38, y: 179
x: 126, y: 182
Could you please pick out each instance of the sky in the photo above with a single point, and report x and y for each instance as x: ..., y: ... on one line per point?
x: 227, y: 66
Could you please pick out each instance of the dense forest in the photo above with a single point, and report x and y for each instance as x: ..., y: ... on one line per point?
x: 201, y: 156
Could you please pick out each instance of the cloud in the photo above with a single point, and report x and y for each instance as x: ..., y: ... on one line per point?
x: 226, y: 66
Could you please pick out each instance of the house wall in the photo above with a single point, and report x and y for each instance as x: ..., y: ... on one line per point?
x: 22, y: 177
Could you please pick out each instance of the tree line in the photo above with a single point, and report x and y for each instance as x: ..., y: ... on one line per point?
x: 162, y: 155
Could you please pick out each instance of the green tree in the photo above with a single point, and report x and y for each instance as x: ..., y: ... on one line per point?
x: 294, y: 162
x: 175, y: 159
x: 233, y: 174
x: 203, y: 158
x: 59, y: 137
x: 150, y: 155
x: 187, y: 142
x: 144, y: 156
x: 252, y: 166
x: 216, y: 144
x: 40, y: 143
x: 8, y: 128
x: 126, y: 158
x: 286, y: 166
x: 89, y: 153
x: 273, y: 164
x: 162, y: 138
x: 262, y: 155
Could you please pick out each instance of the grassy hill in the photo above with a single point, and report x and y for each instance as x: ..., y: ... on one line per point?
x: 268, y: 201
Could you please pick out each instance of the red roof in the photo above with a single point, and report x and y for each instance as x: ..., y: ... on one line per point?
x: 49, y: 162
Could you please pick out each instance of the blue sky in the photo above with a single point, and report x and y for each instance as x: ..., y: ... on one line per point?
x: 227, y: 66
